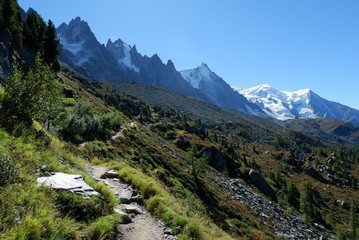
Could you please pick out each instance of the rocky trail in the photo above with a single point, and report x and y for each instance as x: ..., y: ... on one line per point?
x: 140, y: 224
x: 269, y: 213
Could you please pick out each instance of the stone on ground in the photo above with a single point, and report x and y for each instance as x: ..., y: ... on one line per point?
x: 70, y: 182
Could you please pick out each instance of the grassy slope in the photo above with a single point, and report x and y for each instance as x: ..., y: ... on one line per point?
x: 158, y: 170
x: 31, y: 212
x: 253, y: 138
x: 150, y: 159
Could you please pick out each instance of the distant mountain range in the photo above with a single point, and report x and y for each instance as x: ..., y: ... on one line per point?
x: 305, y: 103
x: 217, y: 90
x: 118, y: 61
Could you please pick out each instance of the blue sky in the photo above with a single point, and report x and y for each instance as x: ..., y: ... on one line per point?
x: 289, y: 44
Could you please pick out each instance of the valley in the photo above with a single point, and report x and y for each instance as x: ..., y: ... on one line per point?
x: 161, y: 153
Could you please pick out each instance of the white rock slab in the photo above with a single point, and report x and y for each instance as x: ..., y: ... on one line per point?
x: 70, y: 182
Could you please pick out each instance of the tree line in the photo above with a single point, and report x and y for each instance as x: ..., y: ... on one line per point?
x: 31, y: 34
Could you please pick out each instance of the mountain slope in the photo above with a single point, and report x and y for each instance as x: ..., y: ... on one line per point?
x: 216, y: 89
x: 326, y: 129
x: 117, y: 60
x: 305, y: 103
x: 82, y: 52
x: 160, y: 151
x: 192, y: 106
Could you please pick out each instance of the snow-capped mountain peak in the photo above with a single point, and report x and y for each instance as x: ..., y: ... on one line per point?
x: 194, y: 76
x: 217, y: 90
x: 122, y: 53
x: 280, y: 104
x: 284, y: 105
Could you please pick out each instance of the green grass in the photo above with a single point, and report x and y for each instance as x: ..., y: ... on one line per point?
x: 31, y: 212
x: 187, y: 224
x: 104, y: 227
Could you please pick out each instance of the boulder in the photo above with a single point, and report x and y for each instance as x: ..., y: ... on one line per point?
x: 330, y: 160
x: 70, y: 182
x: 259, y: 181
x: 221, y: 162
x: 125, y: 217
x: 133, y: 209
x: 110, y: 174
x: 314, y: 174
x: 342, y: 204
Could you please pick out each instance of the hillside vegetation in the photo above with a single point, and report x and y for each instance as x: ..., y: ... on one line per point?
x: 179, y: 158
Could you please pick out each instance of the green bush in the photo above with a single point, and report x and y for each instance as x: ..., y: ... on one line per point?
x: 8, y: 171
x: 80, y: 208
x: 34, y: 94
x: 84, y: 123
x: 2, y: 94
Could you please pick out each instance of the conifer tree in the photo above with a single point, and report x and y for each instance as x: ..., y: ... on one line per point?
x: 35, y: 32
x: 306, y: 198
x: 11, y: 20
x: 51, y: 47
x: 1, y: 14
x: 196, y: 160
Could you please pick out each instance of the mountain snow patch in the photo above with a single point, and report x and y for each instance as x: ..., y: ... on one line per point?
x: 196, y: 75
x: 280, y: 104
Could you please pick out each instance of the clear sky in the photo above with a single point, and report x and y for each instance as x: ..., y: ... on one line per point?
x: 289, y: 44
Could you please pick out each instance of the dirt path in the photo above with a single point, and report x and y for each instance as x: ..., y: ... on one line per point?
x: 142, y: 226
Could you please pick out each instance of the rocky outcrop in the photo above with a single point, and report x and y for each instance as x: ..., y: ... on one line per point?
x: 259, y: 181
x: 220, y: 162
x: 70, y: 182
x: 5, y: 66
x: 269, y: 213
x: 314, y: 174
x: 342, y: 204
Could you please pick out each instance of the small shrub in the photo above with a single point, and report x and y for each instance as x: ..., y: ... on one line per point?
x: 8, y: 171
x: 80, y: 208
x: 2, y: 95
x: 109, y: 199
x: 193, y: 230
x: 85, y: 123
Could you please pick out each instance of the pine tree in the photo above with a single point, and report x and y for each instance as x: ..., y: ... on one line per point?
x: 51, y: 47
x: 35, y: 33
x: 293, y: 194
x: 306, y: 199
x: 11, y: 20
x: 196, y: 160
x: 2, y: 26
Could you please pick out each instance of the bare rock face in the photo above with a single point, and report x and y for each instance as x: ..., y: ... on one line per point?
x: 70, y: 182
x: 259, y: 181
x: 220, y: 162
x: 5, y: 66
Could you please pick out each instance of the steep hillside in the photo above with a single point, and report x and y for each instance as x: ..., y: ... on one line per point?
x: 232, y: 147
x: 330, y: 130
